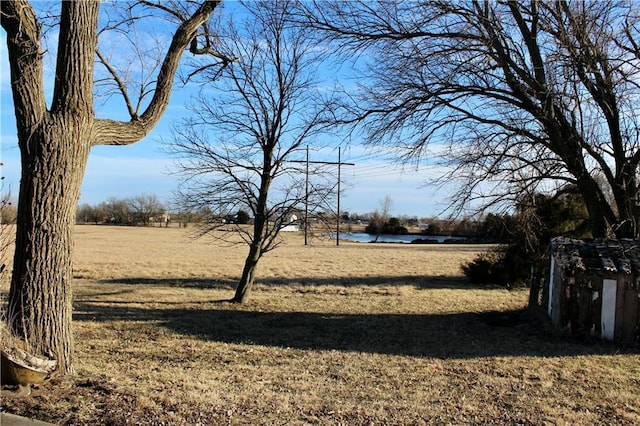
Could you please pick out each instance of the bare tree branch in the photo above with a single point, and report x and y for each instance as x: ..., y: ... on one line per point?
x: 121, y: 85
x: 118, y: 133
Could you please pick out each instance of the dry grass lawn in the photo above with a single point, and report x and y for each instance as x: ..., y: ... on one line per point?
x: 359, y: 334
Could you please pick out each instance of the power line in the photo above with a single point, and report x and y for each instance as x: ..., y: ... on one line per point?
x: 339, y: 163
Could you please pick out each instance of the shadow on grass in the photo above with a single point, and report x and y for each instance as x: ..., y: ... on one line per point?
x: 420, y: 282
x: 444, y: 336
x: 197, y: 283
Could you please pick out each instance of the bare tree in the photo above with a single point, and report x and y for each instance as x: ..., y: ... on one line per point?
x: 513, y: 96
x: 263, y: 113
x: 145, y: 207
x: 55, y: 141
x: 116, y: 211
x: 88, y: 214
x: 380, y: 217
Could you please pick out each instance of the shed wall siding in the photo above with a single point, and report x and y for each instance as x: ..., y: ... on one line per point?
x: 552, y: 275
x: 609, y: 305
x: 628, y: 319
x: 556, y: 297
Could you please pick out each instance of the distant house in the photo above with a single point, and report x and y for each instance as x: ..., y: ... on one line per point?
x: 291, y: 223
x: 290, y: 228
x: 594, y: 287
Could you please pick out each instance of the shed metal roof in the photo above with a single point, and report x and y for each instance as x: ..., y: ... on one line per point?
x: 621, y: 256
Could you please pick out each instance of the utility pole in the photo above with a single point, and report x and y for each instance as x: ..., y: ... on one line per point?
x: 306, y: 201
x: 338, y: 212
x: 306, y: 197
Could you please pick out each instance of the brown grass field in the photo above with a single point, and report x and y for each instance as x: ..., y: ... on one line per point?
x: 360, y: 334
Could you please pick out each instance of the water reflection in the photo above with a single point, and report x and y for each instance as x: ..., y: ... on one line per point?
x: 362, y: 237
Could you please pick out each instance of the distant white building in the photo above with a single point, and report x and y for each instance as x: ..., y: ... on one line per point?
x: 292, y: 224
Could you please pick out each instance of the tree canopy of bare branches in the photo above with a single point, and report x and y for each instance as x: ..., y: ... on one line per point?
x: 514, y: 97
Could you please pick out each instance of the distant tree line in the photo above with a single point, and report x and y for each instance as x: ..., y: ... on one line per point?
x: 140, y: 210
x: 145, y: 210
x: 561, y: 214
x: 391, y: 226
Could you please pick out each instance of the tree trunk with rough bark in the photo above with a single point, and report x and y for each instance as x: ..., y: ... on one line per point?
x: 40, y: 297
x: 248, y: 274
x: 54, y: 147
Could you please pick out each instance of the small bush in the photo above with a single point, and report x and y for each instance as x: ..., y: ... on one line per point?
x: 507, y: 266
x: 487, y: 268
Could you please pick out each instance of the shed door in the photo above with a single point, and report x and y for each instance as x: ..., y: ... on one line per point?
x: 608, y: 318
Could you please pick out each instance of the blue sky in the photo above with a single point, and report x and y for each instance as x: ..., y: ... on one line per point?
x: 143, y: 168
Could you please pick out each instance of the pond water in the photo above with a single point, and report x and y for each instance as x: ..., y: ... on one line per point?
x: 362, y: 237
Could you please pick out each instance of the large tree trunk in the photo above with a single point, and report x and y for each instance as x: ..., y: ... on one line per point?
x: 54, y: 148
x: 40, y: 297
